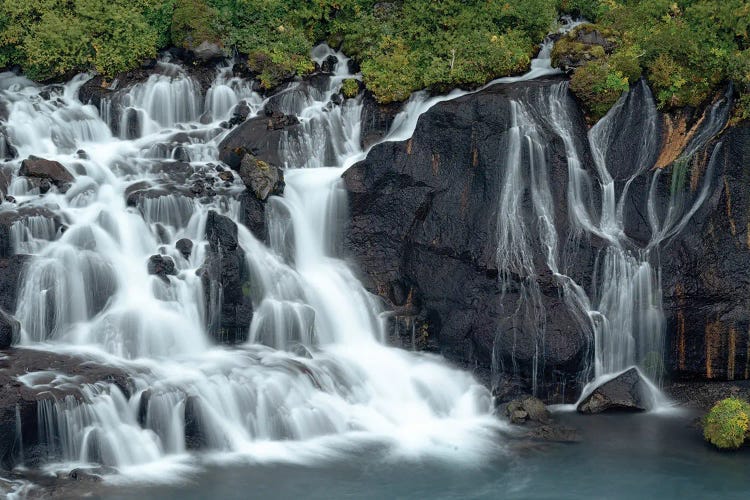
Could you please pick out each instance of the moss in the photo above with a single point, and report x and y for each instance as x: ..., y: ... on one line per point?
x: 726, y: 425
x: 350, y: 88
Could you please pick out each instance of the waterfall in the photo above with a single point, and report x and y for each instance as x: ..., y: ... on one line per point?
x: 314, y: 378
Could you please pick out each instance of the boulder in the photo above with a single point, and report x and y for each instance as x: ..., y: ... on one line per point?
x: 10, y: 329
x: 527, y: 408
x: 261, y: 178
x: 259, y: 136
x: 40, y: 170
x: 208, y: 51
x: 583, y: 44
x: 329, y: 64
x: 161, y: 266
x: 625, y: 392
x: 10, y: 217
x: 226, y: 282
x: 11, y: 270
x: 185, y: 247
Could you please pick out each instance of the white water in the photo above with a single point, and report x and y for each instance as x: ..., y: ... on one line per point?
x: 315, y: 380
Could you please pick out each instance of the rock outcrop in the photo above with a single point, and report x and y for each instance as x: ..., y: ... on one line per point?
x: 625, y: 392
x: 226, y: 282
x: 423, y: 230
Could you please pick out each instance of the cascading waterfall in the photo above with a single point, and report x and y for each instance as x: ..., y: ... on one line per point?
x: 313, y: 380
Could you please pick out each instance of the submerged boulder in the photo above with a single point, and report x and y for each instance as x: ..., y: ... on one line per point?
x: 625, y: 392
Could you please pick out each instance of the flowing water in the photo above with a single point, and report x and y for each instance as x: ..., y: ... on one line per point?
x: 315, y: 382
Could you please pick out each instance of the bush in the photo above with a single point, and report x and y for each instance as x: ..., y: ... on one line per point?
x: 726, y: 425
x: 598, y: 87
x: 350, y: 87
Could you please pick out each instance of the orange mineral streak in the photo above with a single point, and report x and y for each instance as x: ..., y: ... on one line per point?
x: 675, y: 137
x: 728, y: 198
x: 713, y: 346
x: 435, y: 163
x: 408, y: 147
x: 732, y: 351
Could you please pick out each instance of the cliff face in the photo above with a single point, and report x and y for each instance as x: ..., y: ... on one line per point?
x: 481, y: 250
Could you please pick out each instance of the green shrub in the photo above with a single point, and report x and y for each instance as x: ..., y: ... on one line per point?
x: 193, y: 22
x: 598, y: 87
x: 726, y: 425
x: 350, y: 87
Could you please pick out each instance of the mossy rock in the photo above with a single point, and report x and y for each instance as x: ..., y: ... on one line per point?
x: 585, y: 43
x: 726, y: 425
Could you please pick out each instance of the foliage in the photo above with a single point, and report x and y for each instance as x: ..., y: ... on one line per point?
x: 686, y: 49
x: 350, y: 87
x: 726, y: 425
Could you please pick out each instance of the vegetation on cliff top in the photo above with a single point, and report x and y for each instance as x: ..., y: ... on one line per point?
x: 686, y: 49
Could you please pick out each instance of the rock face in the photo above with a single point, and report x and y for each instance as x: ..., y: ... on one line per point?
x: 626, y: 392
x: 706, y: 272
x: 44, y: 172
x: 423, y: 230
x: 226, y: 282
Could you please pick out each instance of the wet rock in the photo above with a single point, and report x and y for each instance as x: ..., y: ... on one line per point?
x: 11, y: 270
x: 240, y: 113
x: 10, y: 329
x: 208, y: 51
x: 185, y: 247
x: 329, y: 64
x: 554, y: 433
x: 259, y: 136
x: 18, y: 399
x: 226, y: 282
x: 626, y: 392
x: 376, y: 119
x: 226, y: 176
x: 195, y: 437
x: 10, y: 217
x: 161, y: 266
x: 421, y: 215
x: 51, y: 171
x: 180, y: 153
x: 528, y: 408
x: 261, y: 178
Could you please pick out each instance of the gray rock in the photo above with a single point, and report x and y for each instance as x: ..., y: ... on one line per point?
x: 9, y: 330
x: 528, y: 408
x: 260, y: 177
x: 626, y: 392
x: 208, y: 51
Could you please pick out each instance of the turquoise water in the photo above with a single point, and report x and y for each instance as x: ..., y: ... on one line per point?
x: 619, y: 457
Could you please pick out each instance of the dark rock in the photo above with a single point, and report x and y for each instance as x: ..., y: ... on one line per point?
x: 54, y: 172
x: 20, y: 400
x: 10, y: 217
x: 261, y: 178
x: 528, y: 408
x: 329, y: 64
x: 554, y: 433
x: 10, y: 330
x: 421, y: 220
x: 626, y: 392
x: 240, y: 114
x: 208, y: 51
x: 259, y: 136
x: 376, y: 119
x: 180, y: 153
x: 195, y: 437
x: 226, y: 176
x: 11, y: 270
x: 226, y: 282
x: 185, y: 247
x: 162, y: 266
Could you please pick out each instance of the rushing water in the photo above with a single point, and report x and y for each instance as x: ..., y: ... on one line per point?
x: 315, y: 382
